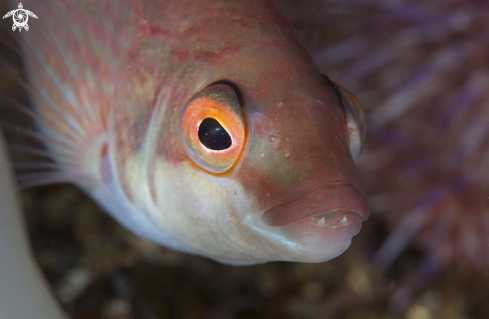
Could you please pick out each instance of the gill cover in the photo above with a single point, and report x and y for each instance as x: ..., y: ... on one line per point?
x: 355, y: 120
x: 213, y: 129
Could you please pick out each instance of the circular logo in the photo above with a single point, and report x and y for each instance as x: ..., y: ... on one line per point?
x: 20, y: 17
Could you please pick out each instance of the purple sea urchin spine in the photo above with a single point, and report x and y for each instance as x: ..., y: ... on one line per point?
x: 420, y: 70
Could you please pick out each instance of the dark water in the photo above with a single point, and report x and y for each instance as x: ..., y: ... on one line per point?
x: 97, y: 269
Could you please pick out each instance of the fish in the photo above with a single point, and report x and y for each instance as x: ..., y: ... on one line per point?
x: 202, y: 126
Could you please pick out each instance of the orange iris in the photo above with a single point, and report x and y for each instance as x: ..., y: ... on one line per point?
x: 220, y: 103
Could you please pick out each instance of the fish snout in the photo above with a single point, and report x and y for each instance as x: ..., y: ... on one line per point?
x: 329, y: 203
x: 321, y: 222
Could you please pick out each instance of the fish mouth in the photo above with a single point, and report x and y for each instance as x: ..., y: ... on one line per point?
x: 320, y: 223
x: 332, y: 205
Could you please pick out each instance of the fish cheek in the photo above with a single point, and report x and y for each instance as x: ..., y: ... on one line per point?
x: 296, y: 150
x: 270, y: 162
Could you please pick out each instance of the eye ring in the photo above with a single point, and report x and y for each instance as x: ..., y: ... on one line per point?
x: 219, y: 103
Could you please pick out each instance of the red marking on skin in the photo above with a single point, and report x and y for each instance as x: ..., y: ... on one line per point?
x: 105, y: 168
x: 148, y: 30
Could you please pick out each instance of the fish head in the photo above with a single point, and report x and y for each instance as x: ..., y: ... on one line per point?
x: 270, y: 172
x: 251, y: 160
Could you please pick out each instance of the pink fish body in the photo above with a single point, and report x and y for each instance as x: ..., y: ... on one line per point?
x: 128, y: 97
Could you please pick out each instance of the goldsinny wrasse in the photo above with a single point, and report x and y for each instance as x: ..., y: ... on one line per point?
x: 201, y: 125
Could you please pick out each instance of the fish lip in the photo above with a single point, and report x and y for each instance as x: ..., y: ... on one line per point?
x: 328, y: 199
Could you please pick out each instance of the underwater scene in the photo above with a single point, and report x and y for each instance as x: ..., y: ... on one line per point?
x: 249, y: 159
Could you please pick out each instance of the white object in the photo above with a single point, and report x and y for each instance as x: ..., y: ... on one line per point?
x: 24, y: 293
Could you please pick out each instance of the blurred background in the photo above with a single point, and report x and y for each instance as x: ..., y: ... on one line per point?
x: 420, y: 69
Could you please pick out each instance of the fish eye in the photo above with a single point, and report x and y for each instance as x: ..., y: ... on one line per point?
x: 213, y: 129
x: 213, y: 136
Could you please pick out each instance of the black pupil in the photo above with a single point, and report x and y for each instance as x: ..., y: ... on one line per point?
x: 213, y: 136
